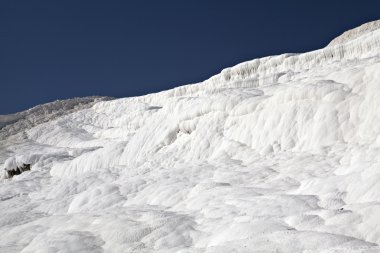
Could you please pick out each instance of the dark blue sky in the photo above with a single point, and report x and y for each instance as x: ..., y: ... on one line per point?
x: 61, y: 49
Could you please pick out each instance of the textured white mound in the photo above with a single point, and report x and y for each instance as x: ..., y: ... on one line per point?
x: 14, y: 124
x: 355, y: 33
x: 279, y: 154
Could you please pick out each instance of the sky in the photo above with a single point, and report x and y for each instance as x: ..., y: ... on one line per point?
x: 54, y: 49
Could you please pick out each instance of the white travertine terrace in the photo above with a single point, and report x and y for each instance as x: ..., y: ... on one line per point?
x: 355, y: 33
x: 278, y: 154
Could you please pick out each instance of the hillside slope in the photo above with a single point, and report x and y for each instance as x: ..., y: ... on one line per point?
x: 278, y: 154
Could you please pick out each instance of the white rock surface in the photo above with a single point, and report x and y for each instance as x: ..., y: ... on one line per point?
x: 355, y: 33
x: 278, y: 154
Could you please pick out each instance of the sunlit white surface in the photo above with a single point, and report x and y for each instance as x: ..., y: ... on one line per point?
x: 278, y: 154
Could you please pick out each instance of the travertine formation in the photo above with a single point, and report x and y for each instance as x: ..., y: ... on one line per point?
x: 355, y: 33
x: 278, y: 154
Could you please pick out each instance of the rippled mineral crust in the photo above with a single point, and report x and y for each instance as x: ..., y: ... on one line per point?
x: 355, y: 33
x: 277, y: 154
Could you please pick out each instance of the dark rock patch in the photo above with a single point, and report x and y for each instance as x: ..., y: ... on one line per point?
x: 17, y: 170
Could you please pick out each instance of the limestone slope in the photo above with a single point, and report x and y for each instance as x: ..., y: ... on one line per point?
x: 278, y: 154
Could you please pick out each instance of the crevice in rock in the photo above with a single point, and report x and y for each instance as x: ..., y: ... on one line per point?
x: 18, y: 170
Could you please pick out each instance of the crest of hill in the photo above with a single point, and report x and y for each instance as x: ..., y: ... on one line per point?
x: 12, y: 124
x: 355, y: 33
x: 358, y: 43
